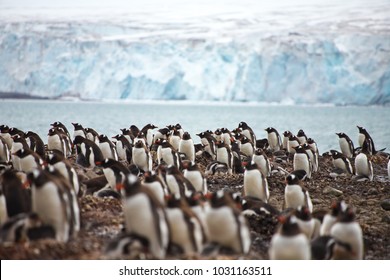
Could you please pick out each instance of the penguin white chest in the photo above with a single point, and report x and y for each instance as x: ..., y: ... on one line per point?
x: 345, y: 148
x: 363, y: 166
x: 54, y: 143
x: 196, y: 179
x: 172, y: 184
x: 350, y: 233
x: 301, y: 161
x: 255, y: 185
x: 167, y: 156
x: 273, y: 141
x: 28, y: 164
x: 289, y: 247
x: 187, y: 147
x: 294, y: 196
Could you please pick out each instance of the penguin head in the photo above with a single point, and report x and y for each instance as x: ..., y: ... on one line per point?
x: 139, y: 144
x: 303, y: 213
x: 301, y: 133
x: 243, y: 125
x: 103, y: 138
x: 287, y: 133
x: 361, y: 129
x: 54, y: 156
x: 288, y: 225
x: 347, y: 216
x: 292, y: 179
x: 4, y: 128
x: 175, y: 201
x: 77, y: 126
x: 186, y: 136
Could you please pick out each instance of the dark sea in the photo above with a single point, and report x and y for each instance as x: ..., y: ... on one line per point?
x: 319, y: 122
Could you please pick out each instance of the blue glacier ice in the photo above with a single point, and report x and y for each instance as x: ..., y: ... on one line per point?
x: 317, y: 56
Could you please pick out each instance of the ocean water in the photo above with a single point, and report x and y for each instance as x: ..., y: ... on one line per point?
x: 319, y: 122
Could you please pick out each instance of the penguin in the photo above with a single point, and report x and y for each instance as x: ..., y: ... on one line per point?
x: 179, y: 128
x: 218, y: 135
x: 167, y: 153
x: 330, y: 218
x: 145, y: 216
x: 123, y: 147
x: 5, y: 155
x: 216, y: 167
x: 227, y: 226
x: 286, y: 136
x: 28, y: 160
x: 208, y: 140
x: 293, y: 142
x: 78, y: 130
x: 327, y: 248
x: 107, y: 147
x: 308, y: 225
x: 289, y: 243
x: 295, y: 195
x: 247, y: 131
x: 13, y: 131
x: 87, y: 152
x: 153, y: 182
x: 134, y: 131
x: 246, y: 147
x: 177, y: 183
x: 19, y: 143
x: 363, y: 165
x: 199, y: 205
x: 141, y: 156
x: 59, y: 162
x: 4, y: 132
x: 141, y: 137
x: 128, y: 135
x: 186, y: 229
x: 237, y: 162
x: 186, y: 146
x: 314, y: 149
x: 193, y: 173
x: 17, y: 197
x: 340, y: 161
x: 301, y: 160
x: 274, y: 140
x: 346, y: 145
x: 162, y: 133
x: 148, y: 132
x: 174, y: 139
x: 348, y: 231
x: 114, y: 171
x: 58, y: 140
x: 92, y: 135
x: 226, y: 136
x: 310, y: 154
x: 262, y: 144
x: 253, y: 206
x: 302, y: 138
x: 224, y: 155
x: 52, y: 202
x: 365, y: 136
x: 126, y: 244
x: 63, y: 128
x: 35, y: 143
x: 255, y: 184
x: 3, y: 207
x: 262, y: 161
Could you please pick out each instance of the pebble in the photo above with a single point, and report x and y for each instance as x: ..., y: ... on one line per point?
x: 332, y: 191
x: 316, y: 201
x: 372, y: 191
x: 386, y: 219
x: 385, y: 204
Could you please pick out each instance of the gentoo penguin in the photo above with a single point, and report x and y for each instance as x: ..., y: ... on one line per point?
x: 107, y: 147
x: 216, y: 167
x: 87, y: 152
x: 365, y: 136
x: 186, y: 146
x: 128, y: 135
x: 59, y: 162
x: 78, y: 130
x: 128, y: 244
x: 52, y: 201
x: 185, y: 227
x: 218, y: 134
x: 153, y: 182
x: 247, y: 131
x: 363, y: 165
x: 348, y: 231
x: 237, y: 161
x: 134, y: 131
x: 114, y: 171
x: 166, y: 153
x: 174, y: 139
x: 193, y: 173
x: 246, y: 147
x: 346, y: 145
x: 330, y: 218
x: 302, y: 138
x: 179, y: 128
x: 123, y: 147
x: 5, y: 155
x: 314, y: 149
x: 142, y: 157
x: 296, y: 195
x: 63, y: 128
x: 208, y: 140
x: 35, y: 143
x: 92, y: 135
x: 286, y: 136
x: 141, y: 137
x: 292, y: 143
x: 224, y: 155
x: 226, y: 225
x: 328, y: 248
x: 253, y: 206
x: 148, y: 132
x: 301, y: 160
x: 4, y: 132
x: 274, y: 140
x: 340, y: 161
x: 177, y: 183
x: 58, y: 140
x: 255, y: 184
x: 310, y: 154
x: 289, y: 243
x: 308, y: 225
x: 19, y: 143
x: 162, y: 133
x: 3, y: 206
x: 262, y: 161
x: 28, y: 160
x: 226, y: 136
x: 17, y: 196
x: 145, y: 216
x: 199, y: 205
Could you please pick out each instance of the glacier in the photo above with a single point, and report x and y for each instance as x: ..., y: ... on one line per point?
x: 296, y: 55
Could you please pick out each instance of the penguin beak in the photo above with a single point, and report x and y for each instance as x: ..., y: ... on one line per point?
x: 26, y: 185
x: 244, y: 163
x: 208, y: 195
x: 98, y: 163
x: 282, y: 219
x: 119, y: 187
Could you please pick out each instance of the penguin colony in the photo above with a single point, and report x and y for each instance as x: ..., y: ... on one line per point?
x: 168, y: 209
